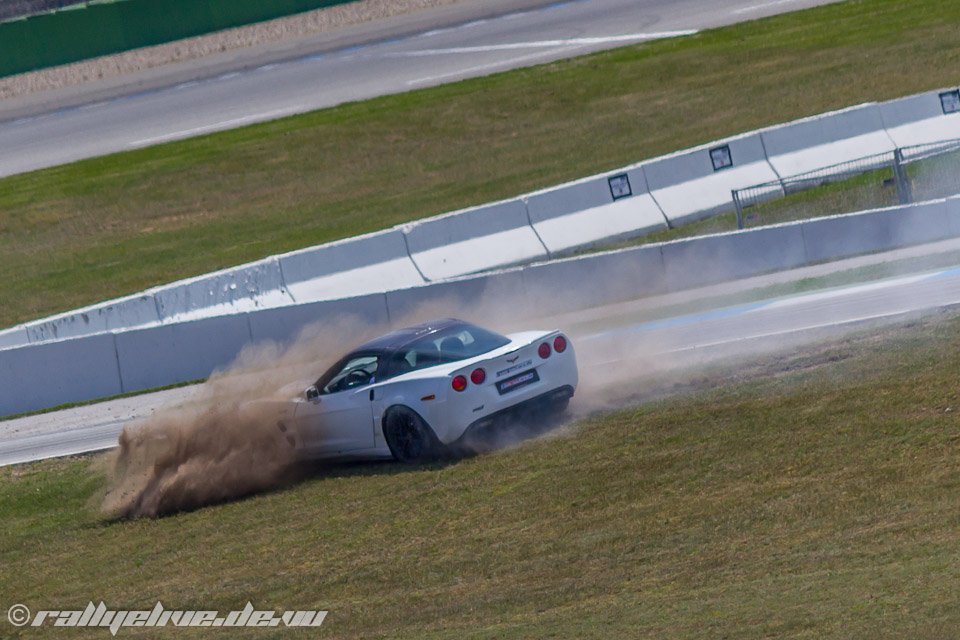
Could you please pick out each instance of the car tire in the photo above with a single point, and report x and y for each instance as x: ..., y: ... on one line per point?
x: 410, y: 438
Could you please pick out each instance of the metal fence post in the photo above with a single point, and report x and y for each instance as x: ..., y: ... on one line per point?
x: 904, y: 190
x: 739, y: 207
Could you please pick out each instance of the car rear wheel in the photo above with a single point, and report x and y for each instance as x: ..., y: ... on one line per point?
x: 410, y: 438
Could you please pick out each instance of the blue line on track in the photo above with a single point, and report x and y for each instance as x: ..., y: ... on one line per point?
x: 680, y: 321
x: 952, y: 272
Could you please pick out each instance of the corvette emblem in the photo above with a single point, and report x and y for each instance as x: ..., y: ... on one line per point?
x: 512, y: 360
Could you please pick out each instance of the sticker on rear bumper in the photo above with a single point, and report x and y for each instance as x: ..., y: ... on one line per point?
x: 516, y: 367
x: 518, y: 381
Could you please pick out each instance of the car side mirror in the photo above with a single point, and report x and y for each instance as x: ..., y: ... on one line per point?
x: 312, y: 394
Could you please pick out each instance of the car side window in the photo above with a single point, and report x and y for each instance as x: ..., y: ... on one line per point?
x: 420, y: 356
x: 356, y: 372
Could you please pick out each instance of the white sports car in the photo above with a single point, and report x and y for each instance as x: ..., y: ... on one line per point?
x: 415, y: 393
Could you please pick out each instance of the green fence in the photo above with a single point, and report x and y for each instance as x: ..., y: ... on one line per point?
x: 103, y: 28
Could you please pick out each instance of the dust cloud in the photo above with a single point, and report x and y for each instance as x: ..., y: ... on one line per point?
x: 224, y: 442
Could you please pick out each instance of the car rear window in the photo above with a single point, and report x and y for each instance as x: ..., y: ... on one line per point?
x: 455, y: 343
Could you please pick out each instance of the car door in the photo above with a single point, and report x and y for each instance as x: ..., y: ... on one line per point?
x: 340, y: 419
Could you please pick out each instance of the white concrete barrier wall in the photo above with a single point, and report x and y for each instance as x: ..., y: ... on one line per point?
x: 826, y: 140
x: 131, y: 311
x: 52, y: 373
x: 244, y: 288
x: 40, y: 376
x: 168, y: 354
x: 372, y: 263
x: 473, y: 240
x: 710, y: 259
x: 697, y: 183
x: 599, y: 209
x: 923, y: 119
x: 853, y: 234
x: 595, y: 280
x: 493, y: 295
x: 284, y: 324
x: 952, y: 207
x: 13, y: 337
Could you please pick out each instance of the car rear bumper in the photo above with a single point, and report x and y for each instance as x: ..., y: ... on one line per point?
x: 529, y: 406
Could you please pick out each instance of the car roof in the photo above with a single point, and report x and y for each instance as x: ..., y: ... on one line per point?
x: 400, y: 338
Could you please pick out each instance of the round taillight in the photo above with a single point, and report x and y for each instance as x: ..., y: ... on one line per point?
x: 459, y: 383
x: 559, y: 344
x: 544, y: 350
x: 478, y: 376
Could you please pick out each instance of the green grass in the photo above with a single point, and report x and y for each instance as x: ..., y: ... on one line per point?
x: 814, y: 494
x: 89, y: 231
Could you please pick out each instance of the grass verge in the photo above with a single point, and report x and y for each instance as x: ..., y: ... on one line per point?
x: 808, y: 495
x: 85, y: 232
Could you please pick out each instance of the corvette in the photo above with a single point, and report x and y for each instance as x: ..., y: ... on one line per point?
x: 420, y: 392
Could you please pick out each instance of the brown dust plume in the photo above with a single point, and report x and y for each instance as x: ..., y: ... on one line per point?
x: 223, y: 443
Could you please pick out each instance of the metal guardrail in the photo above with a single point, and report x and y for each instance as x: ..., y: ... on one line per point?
x: 902, y: 176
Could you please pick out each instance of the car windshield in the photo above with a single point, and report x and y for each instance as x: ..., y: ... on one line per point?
x: 455, y: 343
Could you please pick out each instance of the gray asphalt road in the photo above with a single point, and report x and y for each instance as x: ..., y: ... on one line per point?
x: 688, y: 340
x: 440, y: 52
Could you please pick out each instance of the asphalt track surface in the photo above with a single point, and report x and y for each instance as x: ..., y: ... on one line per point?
x: 759, y: 327
x: 221, y: 93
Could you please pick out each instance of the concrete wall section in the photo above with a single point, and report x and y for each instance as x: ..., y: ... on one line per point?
x: 826, y: 140
x: 710, y: 259
x: 580, y: 195
x: 132, y: 311
x: 13, y: 337
x: 284, y: 324
x: 951, y: 208
x: 40, y: 376
x: 168, y: 354
x: 870, y: 231
x: 491, y: 296
x: 584, y: 213
x: 620, y: 220
x: 920, y: 119
x: 372, y: 263
x: 473, y: 240
x: 596, y: 280
x: 250, y: 286
x: 695, y: 184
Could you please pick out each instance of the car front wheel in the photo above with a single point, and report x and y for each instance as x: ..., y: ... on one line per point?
x: 410, y: 438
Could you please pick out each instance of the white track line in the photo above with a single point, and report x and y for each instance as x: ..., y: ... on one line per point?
x: 469, y: 70
x: 219, y: 126
x: 761, y: 7
x: 544, y: 44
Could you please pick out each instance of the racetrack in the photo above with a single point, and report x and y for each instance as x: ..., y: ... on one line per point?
x: 214, y: 95
x: 616, y: 347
